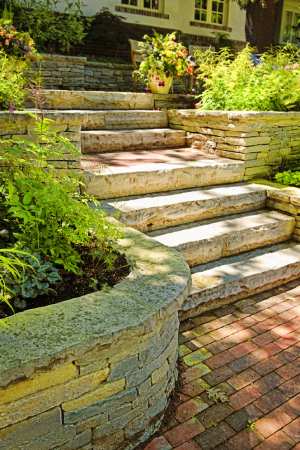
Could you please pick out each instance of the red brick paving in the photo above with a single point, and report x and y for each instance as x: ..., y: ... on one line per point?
x: 251, y: 352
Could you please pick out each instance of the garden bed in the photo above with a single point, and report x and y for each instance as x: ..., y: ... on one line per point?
x: 95, y: 274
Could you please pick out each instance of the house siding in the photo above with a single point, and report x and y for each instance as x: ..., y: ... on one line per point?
x: 176, y: 15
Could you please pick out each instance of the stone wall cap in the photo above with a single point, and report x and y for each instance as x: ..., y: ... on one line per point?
x: 158, y: 284
x: 235, y: 114
x: 62, y: 58
x: 30, y: 115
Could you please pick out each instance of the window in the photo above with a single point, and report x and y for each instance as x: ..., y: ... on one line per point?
x: 291, y: 26
x: 211, y: 11
x: 130, y: 2
x: 151, y: 5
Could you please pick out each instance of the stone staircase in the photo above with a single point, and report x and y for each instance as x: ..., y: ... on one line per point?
x: 184, y: 198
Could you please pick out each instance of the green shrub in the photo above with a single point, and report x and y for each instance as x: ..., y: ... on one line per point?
x: 49, y: 216
x: 12, y: 81
x: 235, y: 83
x: 51, y: 31
x: 288, y: 178
x: 36, y: 279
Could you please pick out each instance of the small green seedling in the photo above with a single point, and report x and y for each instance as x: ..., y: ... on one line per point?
x: 217, y: 395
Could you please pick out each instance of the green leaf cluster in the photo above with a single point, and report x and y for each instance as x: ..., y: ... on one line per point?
x: 36, y: 279
x: 12, y: 81
x: 234, y: 83
x: 11, y: 267
x: 288, y: 178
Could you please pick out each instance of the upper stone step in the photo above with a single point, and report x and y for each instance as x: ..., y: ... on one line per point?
x: 124, y: 174
x: 201, y: 242
x: 238, y: 277
x: 156, y: 211
x: 67, y: 99
x: 64, y: 99
x: 108, y: 120
x: 105, y: 141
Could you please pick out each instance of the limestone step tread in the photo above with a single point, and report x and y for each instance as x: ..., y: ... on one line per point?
x: 201, y: 242
x: 145, y: 160
x: 98, y: 141
x: 68, y: 99
x: 123, y: 174
x: 156, y: 211
x: 227, y: 280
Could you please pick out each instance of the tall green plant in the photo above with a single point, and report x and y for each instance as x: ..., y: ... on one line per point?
x: 13, y: 81
x: 50, y: 216
x: 11, y: 265
x: 236, y: 83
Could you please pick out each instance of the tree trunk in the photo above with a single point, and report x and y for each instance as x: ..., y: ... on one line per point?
x: 263, y: 24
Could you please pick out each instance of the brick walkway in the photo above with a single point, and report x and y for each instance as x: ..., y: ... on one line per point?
x: 240, y: 378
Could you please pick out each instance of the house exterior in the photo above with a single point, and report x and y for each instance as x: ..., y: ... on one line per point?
x: 198, y: 22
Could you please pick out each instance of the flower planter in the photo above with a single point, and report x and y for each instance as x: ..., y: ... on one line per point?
x: 160, y: 83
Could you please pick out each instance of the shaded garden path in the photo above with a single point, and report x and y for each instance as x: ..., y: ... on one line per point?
x: 239, y: 378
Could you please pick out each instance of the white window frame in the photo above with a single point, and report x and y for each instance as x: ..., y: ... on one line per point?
x: 288, y: 34
x: 140, y: 4
x: 210, y: 12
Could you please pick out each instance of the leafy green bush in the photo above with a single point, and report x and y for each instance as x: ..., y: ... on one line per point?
x: 51, y: 31
x: 44, y: 213
x: 12, y: 81
x: 36, y: 279
x: 52, y: 218
x: 288, y: 178
x: 235, y: 83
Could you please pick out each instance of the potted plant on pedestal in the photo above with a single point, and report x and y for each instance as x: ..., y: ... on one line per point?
x: 163, y: 59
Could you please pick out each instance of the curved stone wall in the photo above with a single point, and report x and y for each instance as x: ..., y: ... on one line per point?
x: 95, y: 372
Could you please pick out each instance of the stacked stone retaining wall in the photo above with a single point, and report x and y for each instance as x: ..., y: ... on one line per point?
x: 96, y: 372
x: 71, y: 72
x: 263, y: 140
x: 286, y: 200
x: 23, y: 125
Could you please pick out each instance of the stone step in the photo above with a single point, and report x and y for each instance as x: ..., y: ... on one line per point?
x: 230, y: 279
x: 157, y: 211
x: 201, y: 242
x: 65, y: 99
x: 109, y: 120
x: 124, y: 174
x: 105, y: 141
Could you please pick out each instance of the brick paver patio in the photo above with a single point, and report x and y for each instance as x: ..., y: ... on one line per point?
x: 239, y: 382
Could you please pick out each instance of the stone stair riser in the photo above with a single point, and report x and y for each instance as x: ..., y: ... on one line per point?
x: 156, y: 218
x: 76, y: 100
x: 236, y: 242
x: 227, y: 293
x: 106, y: 142
x: 114, y: 185
x: 123, y: 120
